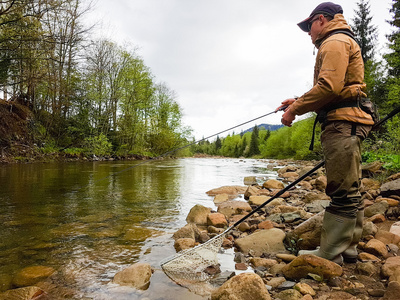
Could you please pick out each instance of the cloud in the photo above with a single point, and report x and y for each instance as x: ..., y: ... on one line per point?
x: 229, y: 61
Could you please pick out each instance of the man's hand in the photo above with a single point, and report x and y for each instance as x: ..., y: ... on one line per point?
x: 287, y: 117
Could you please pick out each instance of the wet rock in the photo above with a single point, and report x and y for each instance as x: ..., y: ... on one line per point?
x: 188, y: 231
x: 241, y: 266
x: 392, y: 292
x: 263, y: 241
x: 251, y: 191
x: 258, y: 200
x: 250, y: 180
x: 220, y: 198
x: 239, y: 257
x: 375, y: 209
x: 304, y: 289
x: 230, y: 190
x: 212, y: 270
x: 305, y: 264
x: 32, y: 275
x: 198, y: 215
x: 273, y: 184
x: 391, y: 188
x: 137, y: 275
x: 222, y: 277
x: 290, y: 294
x: 232, y: 207
x: 217, y: 219
x: 245, y: 286
x: 390, y: 266
x: 25, y: 293
x: 5, y: 282
x: 183, y: 244
x: 376, y: 247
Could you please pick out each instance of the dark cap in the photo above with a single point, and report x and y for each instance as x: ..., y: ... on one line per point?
x: 325, y: 8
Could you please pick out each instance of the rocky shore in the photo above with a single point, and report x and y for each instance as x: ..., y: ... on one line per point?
x: 266, y: 265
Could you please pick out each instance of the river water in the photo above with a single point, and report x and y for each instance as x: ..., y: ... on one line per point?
x: 89, y: 220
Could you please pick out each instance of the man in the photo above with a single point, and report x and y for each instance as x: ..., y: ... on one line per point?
x: 338, y: 88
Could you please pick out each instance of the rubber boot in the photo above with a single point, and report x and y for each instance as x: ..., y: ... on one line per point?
x: 350, y: 254
x: 336, y: 237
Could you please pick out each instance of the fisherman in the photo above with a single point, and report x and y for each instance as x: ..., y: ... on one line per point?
x: 335, y: 96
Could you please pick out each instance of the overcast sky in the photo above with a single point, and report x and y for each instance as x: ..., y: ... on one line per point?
x: 229, y: 61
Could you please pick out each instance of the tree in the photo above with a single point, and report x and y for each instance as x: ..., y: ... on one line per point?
x: 253, y: 149
x: 365, y: 32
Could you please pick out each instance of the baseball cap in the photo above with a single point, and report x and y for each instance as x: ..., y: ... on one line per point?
x: 326, y: 8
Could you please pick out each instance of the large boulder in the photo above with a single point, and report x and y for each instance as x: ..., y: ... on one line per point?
x: 263, y: 241
x: 32, y: 275
x: 188, y: 231
x: 391, y: 188
x: 230, y: 208
x: 245, y: 286
x: 137, y: 275
x: 198, y: 215
x: 306, y: 264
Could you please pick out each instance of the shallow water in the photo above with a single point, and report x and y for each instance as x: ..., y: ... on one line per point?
x: 91, y: 220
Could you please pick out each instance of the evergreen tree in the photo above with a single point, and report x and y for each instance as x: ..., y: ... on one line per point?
x: 365, y: 32
x: 254, y: 150
x: 218, y: 144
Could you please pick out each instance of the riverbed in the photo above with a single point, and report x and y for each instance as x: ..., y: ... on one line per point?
x: 89, y: 220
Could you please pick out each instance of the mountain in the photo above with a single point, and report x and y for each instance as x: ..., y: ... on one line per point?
x: 265, y: 127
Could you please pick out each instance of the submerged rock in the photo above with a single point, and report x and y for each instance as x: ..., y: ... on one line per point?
x: 32, y: 275
x: 137, y: 276
x: 25, y: 293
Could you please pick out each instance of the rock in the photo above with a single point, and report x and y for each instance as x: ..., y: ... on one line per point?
x: 251, y: 191
x: 364, y: 256
x: 376, y: 247
x: 183, y: 244
x: 188, y: 231
x: 273, y: 184
x: 395, y: 228
x: 258, y: 200
x: 286, y: 257
x: 267, y: 224
x: 263, y: 262
x: 367, y: 268
x: 220, y: 198
x: 137, y: 275
x: 198, y: 215
x: 230, y: 190
x: 290, y: 175
x: 375, y: 209
x: 371, y: 168
x: 390, y: 266
x: 5, y: 282
x: 377, y: 219
x: 369, y: 228
x: 308, y: 233
x: 306, y: 185
x: 250, y: 180
x: 276, y: 281
x: 317, y: 206
x: 395, y: 276
x: 392, y: 292
x: 217, y: 220
x: 244, y: 226
x: 290, y: 294
x: 241, y: 266
x: 305, y: 264
x: 387, y: 237
x: 32, y: 275
x: 233, y: 207
x: 391, y: 188
x: 369, y: 184
x: 320, y: 183
x: 264, y: 241
x: 25, y: 293
x: 340, y: 295
x: 314, y: 196
x: 245, y: 286
x: 304, y: 289
x: 392, y: 202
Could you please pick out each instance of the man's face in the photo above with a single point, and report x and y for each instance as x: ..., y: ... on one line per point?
x: 315, y: 27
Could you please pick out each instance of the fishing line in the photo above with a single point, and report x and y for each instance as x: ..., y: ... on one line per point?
x: 183, y: 147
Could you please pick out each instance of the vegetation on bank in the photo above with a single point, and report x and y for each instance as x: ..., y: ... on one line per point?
x: 70, y: 96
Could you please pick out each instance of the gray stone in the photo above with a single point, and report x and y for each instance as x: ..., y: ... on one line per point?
x: 391, y: 188
x: 376, y: 208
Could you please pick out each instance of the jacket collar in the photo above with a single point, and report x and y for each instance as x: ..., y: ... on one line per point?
x: 337, y: 23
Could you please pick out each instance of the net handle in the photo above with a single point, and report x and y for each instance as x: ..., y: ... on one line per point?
x: 288, y: 187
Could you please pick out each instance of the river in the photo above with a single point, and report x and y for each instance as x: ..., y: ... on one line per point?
x: 89, y: 220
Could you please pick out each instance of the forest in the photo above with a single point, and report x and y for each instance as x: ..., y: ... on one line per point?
x: 84, y: 98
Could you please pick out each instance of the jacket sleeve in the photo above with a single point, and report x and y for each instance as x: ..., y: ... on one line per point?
x: 333, y: 59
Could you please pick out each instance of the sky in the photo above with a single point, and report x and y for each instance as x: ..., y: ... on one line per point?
x: 228, y: 61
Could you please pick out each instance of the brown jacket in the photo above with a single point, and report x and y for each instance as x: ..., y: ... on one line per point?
x: 338, y: 76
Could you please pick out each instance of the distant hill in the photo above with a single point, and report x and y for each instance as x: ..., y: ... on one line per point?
x: 265, y: 127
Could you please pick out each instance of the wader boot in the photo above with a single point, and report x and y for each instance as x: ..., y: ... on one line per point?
x: 350, y: 254
x: 336, y: 237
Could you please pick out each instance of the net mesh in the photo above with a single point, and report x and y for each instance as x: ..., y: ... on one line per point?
x: 189, y: 266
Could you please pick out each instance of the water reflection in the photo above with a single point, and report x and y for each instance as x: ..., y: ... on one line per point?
x: 90, y: 220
